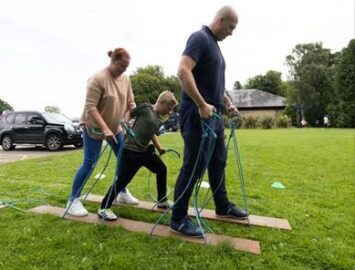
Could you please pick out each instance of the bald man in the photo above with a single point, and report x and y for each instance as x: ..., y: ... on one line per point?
x: 202, y: 76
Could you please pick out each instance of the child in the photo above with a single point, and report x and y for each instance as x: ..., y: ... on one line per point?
x: 138, y: 152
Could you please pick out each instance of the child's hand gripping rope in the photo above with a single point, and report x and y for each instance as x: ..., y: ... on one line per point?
x: 128, y: 130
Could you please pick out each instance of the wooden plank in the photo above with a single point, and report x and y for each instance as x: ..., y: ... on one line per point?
x: 261, y: 221
x: 161, y: 230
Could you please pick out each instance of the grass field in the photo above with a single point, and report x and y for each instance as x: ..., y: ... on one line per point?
x: 317, y: 166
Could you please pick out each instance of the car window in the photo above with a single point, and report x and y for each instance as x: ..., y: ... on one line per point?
x: 20, y: 119
x: 32, y: 117
x: 10, y: 118
x: 56, y: 118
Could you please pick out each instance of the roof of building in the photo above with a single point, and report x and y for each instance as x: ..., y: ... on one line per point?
x: 254, y: 98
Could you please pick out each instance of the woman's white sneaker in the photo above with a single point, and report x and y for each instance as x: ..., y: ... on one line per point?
x: 127, y: 198
x: 76, y: 208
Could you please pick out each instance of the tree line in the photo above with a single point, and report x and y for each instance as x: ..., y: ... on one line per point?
x: 319, y: 83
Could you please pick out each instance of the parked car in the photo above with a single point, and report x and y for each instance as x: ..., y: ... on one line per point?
x: 172, y: 124
x: 53, y: 130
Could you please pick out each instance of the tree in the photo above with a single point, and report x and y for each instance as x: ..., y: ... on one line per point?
x: 237, y: 85
x: 149, y: 82
x: 4, y: 106
x: 271, y: 82
x: 289, y: 91
x: 52, y: 109
x: 312, y: 76
x: 343, y: 111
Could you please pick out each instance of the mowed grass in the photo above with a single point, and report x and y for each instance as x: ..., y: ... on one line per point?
x: 315, y: 165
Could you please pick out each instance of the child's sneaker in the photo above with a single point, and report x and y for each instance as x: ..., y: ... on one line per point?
x: 76, y: 208
x: 107, y: 214
x: 127, y: 198
x: 163, y: 205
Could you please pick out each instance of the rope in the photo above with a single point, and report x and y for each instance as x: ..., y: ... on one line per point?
x: 130, y: 132
x: 177, y: 154
x: 118, y: 168
x: 240, y: 168
x: 231, y: 123
x: 210, y: 148
x: 98, y: 178
x: 206, y: 132
x: 203, y: 137
x: 12, y: 203
x: 86, y: 179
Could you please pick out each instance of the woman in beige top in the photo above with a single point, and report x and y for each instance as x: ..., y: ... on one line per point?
x: 109, y: 97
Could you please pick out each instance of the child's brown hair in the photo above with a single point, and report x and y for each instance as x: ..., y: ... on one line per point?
x: 168, y: 98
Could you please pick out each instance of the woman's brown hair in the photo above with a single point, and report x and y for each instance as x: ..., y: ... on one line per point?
x: 118, y: 53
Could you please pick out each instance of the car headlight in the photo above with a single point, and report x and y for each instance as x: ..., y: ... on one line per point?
x: 69, y: 128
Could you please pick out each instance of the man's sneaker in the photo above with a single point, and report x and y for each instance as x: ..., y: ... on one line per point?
x: 232, y: 212
x: 163, y: 205
x: 107, y: 214
x: 76, y: 208
x: 186, y: 227
x: 127, y: 198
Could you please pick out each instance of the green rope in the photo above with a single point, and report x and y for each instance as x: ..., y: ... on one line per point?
x: 206, y: 132
x: 210, y: 148
x: 240, y: 168
x: 203, y: 137
x: 150, y: 193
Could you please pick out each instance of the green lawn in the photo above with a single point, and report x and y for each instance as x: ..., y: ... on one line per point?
x: 316, y: 166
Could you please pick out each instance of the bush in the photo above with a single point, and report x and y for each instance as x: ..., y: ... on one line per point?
x: 267, y: 122
x: 282, y: 121
x: 250, y: 122
x: 291, y: 113
x: 237, y: 122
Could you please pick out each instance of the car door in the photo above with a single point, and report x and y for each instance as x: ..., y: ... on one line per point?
x: 19, y: 128
x: 35, y: 128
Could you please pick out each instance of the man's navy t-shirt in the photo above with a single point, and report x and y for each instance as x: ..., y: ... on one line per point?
x: 203, y: 48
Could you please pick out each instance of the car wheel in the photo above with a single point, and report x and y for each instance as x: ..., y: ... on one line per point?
x: 53, y: 142
x: 7, y: 143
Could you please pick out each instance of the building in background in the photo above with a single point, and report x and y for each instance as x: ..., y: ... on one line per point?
x: 257, y: 103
